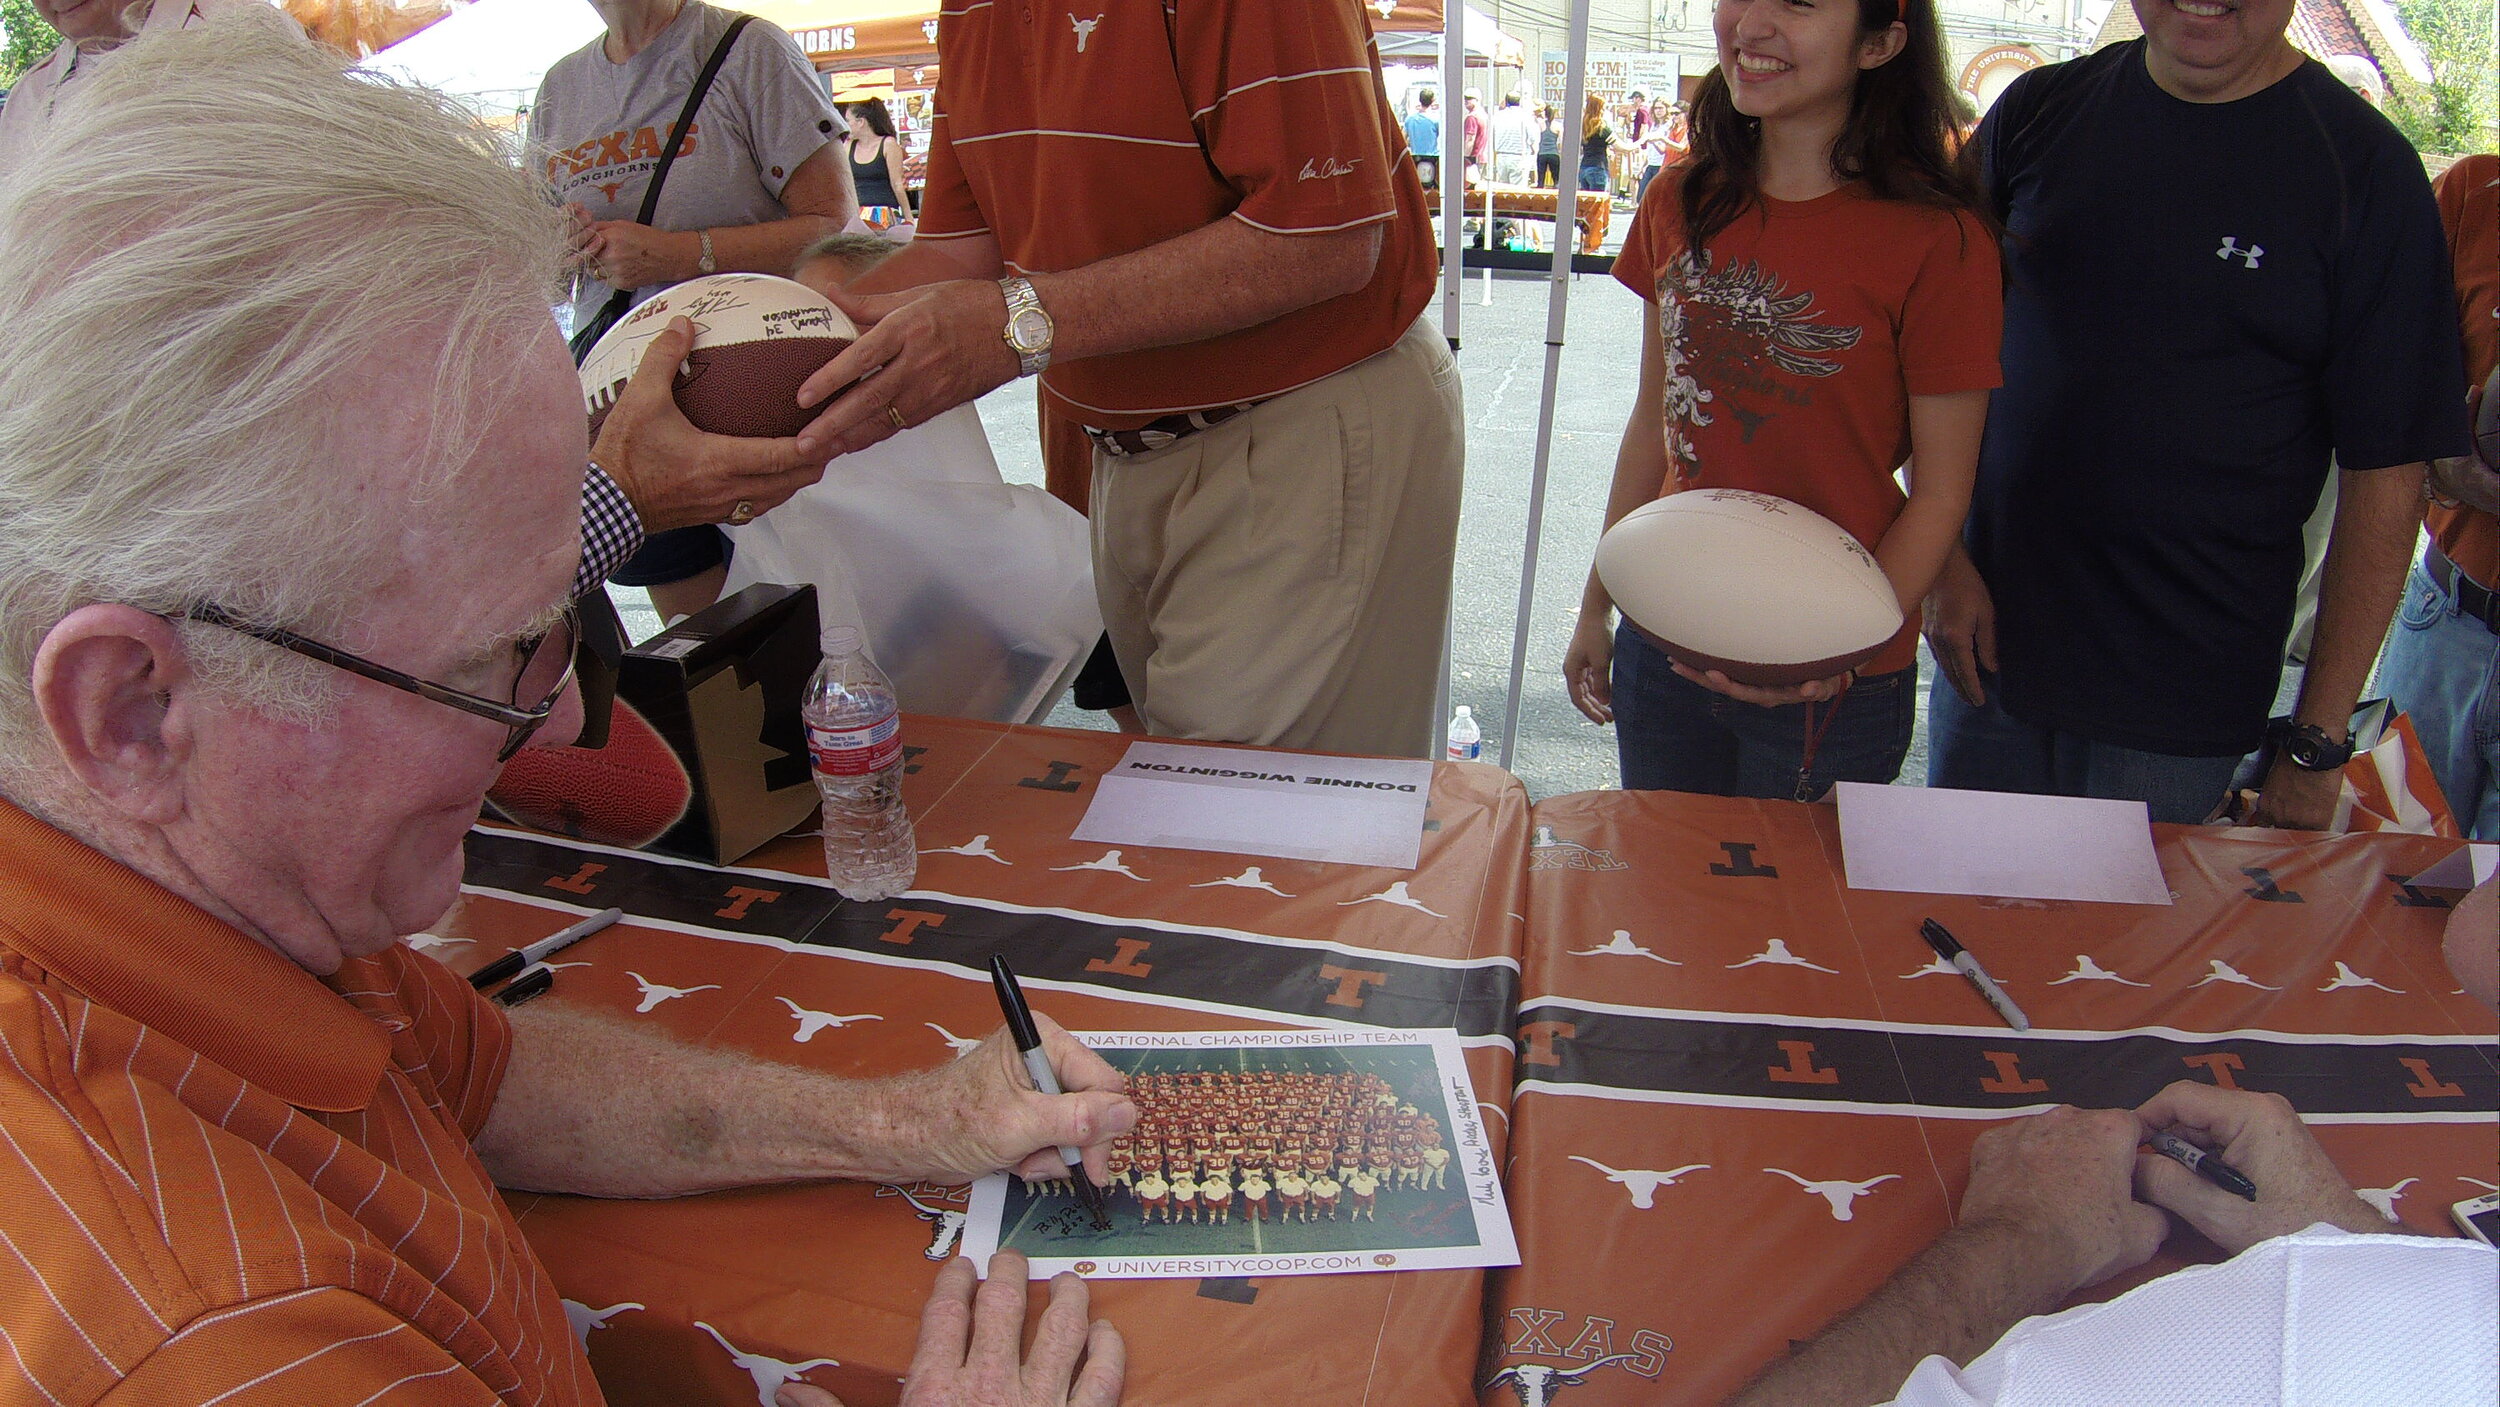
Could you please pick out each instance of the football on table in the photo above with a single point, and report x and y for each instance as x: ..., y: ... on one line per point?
x: 756, y: 339
x: 626, y: 794
x: 1766, y: 591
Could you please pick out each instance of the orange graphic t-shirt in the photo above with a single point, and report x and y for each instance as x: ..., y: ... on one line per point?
x: 1794, y: 345
x: 2469, y: 208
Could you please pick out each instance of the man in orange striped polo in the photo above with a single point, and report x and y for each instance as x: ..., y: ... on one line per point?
x: 2442, y: 664
x: 1199, y: 224
x: 291, y: 459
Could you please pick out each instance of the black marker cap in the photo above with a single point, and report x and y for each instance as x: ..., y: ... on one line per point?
x: 1011, y: 1001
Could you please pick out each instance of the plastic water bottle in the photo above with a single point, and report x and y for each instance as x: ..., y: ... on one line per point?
x: 1466, y: 739
x: 854, y: 739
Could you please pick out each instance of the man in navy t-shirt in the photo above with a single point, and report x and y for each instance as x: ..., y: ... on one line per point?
x: 2221, y: 266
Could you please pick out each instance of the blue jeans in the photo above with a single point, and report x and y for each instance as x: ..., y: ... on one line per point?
x: 1674, y: 735
x: 1988, y: 749
x: 2443, y: 670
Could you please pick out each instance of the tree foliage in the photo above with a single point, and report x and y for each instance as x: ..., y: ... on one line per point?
x: 2455, y: 113
x: 25, y: 41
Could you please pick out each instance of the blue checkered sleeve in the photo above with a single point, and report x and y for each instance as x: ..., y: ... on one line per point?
x: 611, y: 530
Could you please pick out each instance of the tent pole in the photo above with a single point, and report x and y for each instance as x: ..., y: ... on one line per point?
x: 1453, y: 179
x: 1558, y: 301
x: 1453, y: 158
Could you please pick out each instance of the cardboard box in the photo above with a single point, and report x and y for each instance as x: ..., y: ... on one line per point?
x: 723, y: 689
x: 705, y: 754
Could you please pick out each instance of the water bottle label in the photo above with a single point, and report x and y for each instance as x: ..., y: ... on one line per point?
x: 1466, y: 752
x: 856, y: 752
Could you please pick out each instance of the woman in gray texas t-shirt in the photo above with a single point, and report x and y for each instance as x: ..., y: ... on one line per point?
x: 759, y: 177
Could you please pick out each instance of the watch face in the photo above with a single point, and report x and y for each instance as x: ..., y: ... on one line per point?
x: 1029, y: 329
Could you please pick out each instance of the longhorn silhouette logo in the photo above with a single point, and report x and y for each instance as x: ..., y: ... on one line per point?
x: 810, y: 1022
x: 654, y: 993
x: 769, y: 1373
x: 2385, y: 1198
x: 945, y: 1223
x: 1840, y: 1193
x: 1642, y: 1183
x: 1538, y: 1383
x: 584, y: 1319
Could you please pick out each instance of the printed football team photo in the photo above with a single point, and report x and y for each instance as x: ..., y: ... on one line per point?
x: 1271, y: 1153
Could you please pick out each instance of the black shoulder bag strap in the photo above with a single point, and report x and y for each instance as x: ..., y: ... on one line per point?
x: 590, y: 332
x: 601, y: 648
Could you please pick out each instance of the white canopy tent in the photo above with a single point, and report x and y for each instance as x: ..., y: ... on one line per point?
x: 1485, y: 40
x: 492, y: 53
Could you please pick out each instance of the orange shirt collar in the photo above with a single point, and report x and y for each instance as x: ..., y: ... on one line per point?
x: 127, y: 943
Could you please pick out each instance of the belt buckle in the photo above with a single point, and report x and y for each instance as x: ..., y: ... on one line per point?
x: 1162, y: 432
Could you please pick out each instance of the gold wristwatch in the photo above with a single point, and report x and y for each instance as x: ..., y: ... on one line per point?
x: 1028, y: 331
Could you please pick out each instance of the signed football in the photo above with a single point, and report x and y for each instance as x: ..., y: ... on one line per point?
x: 1766, y: 591
x: 756, y: 338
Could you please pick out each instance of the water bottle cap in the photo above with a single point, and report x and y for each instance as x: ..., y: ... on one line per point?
x: 1463, y: 713
x: 841, y: 640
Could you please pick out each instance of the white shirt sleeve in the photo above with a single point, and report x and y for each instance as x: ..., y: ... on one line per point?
x: 2319, y: 1318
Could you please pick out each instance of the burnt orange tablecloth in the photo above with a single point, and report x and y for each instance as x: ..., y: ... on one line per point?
x: 721, y: 956
x: 1747, y: 1093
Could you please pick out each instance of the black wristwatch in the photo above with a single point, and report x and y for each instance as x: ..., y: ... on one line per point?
x: 2307, y: 745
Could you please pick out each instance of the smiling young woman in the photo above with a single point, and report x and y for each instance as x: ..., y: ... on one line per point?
x: 1824, y: 306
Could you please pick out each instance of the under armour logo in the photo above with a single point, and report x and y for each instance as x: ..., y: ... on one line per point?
x: 2231, y: 250
x: 1084, y: 30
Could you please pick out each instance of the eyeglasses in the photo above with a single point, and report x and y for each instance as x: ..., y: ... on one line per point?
x: 544, y: 670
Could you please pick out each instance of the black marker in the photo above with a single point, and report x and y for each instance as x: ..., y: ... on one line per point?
x: 533, y: 984
x: 541, y: 950
x: 2203, y: 1164
x: 1029, y: 1044
x: 1942, y: 940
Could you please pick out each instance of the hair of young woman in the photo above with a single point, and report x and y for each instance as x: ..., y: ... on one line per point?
x: 873, y: 109
x: 1900, y: 138
x: 1592, y: 116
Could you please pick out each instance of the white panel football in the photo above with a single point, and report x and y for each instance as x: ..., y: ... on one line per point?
x: 756, y: 339
x: 1764, y: 590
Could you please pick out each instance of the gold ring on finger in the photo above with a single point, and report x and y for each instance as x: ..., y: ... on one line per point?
x: 743, y: 513
x: 895, y: 418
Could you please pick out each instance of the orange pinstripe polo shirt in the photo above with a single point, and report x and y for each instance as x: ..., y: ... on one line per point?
x: 1072, y: 140
x: 2469, y: 206
x: 223, y: 1179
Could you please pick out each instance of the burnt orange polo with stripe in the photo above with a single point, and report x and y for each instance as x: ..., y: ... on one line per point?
x: 1072, y: 137
x: 2469, y: 208
x: 222, y: 1178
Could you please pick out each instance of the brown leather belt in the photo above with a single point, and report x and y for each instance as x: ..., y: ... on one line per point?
x: 2472, y: 597
x: 1156, y: 434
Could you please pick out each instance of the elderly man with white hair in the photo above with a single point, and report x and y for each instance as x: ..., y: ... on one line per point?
x: 653, y: 474
x: 290, y: 458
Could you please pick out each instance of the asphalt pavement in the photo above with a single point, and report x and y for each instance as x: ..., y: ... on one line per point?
x: 1501, y: 358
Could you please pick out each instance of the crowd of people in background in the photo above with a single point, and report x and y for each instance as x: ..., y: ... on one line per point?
x: 1522, y: 144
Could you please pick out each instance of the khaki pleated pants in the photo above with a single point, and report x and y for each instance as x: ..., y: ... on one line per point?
x: 1284, y: 578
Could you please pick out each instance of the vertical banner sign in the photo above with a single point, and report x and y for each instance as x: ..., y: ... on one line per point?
x: 1614, y: 73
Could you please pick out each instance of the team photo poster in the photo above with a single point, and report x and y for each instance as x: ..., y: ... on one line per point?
x: 1271, y: 1153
